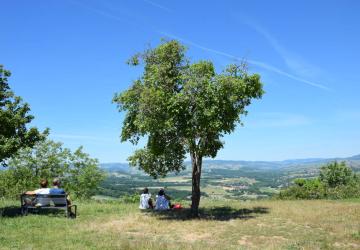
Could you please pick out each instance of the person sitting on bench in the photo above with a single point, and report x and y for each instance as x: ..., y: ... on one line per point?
x: 43, y: 190
x: 57, y: 190
x: 56, y: 187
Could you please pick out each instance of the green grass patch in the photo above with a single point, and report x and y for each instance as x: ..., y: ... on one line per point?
x: 223, y: 224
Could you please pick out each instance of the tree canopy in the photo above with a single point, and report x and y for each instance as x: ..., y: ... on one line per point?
x: 182, y: 107
x: 14, y: 118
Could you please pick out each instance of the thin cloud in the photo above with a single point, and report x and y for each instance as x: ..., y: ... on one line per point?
x: 158, y: 5
x: 253, y: 62
x: 129, y: 18
x: 81, y: 137
x: 98, y: 11
x: 294, y: 62
x: 283, y: 73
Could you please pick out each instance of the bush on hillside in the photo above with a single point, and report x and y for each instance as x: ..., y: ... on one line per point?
x: 304, y: 189
x: 79, y: 174
x: 336, y: 174
x: 336, y: 181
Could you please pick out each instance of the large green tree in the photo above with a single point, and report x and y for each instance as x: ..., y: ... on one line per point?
x: 182, y: 107
x: 14, y: 118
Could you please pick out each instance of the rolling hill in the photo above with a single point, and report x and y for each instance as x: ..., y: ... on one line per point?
x: 220, y: 179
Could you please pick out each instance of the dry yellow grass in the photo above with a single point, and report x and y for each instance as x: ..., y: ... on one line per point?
x: 223, y: 225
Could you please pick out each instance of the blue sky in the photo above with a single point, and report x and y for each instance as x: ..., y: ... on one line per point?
x: 68, y: 59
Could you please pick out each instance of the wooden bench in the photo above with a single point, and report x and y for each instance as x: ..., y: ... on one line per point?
x: 51, y: 201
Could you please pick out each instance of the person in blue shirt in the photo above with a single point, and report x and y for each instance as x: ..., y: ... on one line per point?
x: 56, y: 187
x: 56, y: 190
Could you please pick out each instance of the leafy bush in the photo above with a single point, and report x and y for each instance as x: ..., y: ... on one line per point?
x: 130, y: 198
x: 336, y: 174
x: 304, y: 189
x: 80, y: 174
x: 336, y: 181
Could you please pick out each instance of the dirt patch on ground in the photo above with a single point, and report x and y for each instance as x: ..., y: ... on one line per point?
x: 346, y: 245
x: 144, y: 226
x: 192, y: 237
x: 245, y: 241
x: 250, y: 241
x: 128, y: 223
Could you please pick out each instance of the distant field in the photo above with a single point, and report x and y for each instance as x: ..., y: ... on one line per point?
x: 215, y: 183
x: 223, y: 225
x: 236, y: 180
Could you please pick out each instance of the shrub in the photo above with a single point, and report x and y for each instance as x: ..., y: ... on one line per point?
x: 336, y: 181
x: 304, y: 189
x: 79, y: 173
x: 336, y: 174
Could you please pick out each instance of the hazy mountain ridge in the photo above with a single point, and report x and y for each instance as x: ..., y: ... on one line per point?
x: 286, y: 165
x: 224, y: 179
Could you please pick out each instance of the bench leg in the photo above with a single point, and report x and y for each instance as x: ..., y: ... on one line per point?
x: 24, y: 211
x: 71, y: 214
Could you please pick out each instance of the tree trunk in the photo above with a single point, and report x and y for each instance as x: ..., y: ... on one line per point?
x: 196, y: 162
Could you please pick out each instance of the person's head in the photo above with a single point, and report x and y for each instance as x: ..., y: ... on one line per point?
x: 145, y: 191
x: 43, y: 183
x: 161, y: 192
x: 56, y: 182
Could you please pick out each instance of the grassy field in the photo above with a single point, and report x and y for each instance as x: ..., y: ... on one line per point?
x: 223, y: 225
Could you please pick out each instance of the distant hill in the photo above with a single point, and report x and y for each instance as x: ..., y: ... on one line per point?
x: 227, y: 179
x: 121, y: 167
x: 355, y: 157
x: 286, y: 165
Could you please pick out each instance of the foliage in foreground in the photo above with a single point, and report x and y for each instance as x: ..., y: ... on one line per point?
x: 14, y: 118
x: 80, y: 174
x: 336, y: 181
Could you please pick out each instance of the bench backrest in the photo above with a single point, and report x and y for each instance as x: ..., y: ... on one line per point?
x: 57, y: 199
x: 47, y: 200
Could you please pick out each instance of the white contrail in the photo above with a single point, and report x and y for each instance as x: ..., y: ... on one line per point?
x: 158, y: 5
x: 253, y: 62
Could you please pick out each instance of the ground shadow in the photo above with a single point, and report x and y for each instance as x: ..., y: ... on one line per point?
x: 223, y: 213
x: 15, y: 211
x: 10, y: 211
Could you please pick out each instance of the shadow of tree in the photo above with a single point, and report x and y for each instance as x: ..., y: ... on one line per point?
x: 15, y: 211
x: 223, y: 213
x: 11, y: 211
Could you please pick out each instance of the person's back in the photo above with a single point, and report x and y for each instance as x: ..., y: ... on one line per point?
x: 162, y: 203
x: 145, y: 200
x: 56, y: 190
x: 41, y: 201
